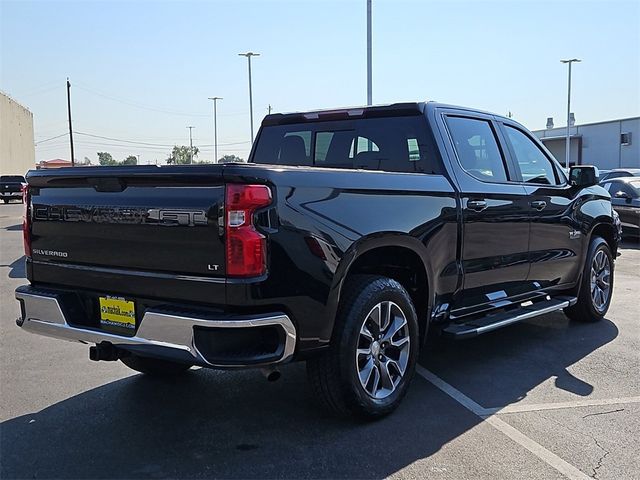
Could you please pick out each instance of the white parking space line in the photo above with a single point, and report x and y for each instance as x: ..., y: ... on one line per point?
x: 535, y: 407
x: 517, y: 436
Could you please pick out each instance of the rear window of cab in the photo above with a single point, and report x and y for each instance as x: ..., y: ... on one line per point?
x: 393, y: 144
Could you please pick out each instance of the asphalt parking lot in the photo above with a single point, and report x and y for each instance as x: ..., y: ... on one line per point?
x: 547, y: 398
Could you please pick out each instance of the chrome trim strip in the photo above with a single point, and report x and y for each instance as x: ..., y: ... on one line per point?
x: 136, y: 273
x: 521, y: 317
x: 43, y: 315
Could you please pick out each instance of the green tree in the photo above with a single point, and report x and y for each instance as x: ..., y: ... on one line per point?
x: 230, y: 159
x: 180, y: 155
x: 130, y: 160
x: 105, y: 159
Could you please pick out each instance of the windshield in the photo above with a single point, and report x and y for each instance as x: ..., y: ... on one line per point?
x: 12, y: 179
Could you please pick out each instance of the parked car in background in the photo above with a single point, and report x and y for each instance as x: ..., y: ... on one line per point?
x: 619, y: 172
x: 625, y: 197
x: 11, y: 187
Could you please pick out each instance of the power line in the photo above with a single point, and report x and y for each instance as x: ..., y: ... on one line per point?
x: 42, y: 88
x: 124, y: 141
x: 52, y: 138
x: 135, y: 142
x: 152, y: 108
x: 140, y: 105
x: 106, y: 144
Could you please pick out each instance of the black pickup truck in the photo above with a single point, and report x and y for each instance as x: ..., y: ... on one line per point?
x: 348, y: 237
x: 11, y: 187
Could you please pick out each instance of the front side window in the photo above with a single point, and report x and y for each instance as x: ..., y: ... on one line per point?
x: 477, y: 148
x: 534, y: 165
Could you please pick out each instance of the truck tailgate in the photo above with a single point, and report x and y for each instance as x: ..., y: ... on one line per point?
x: 139, y: 218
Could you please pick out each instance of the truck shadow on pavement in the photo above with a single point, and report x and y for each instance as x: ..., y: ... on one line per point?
x: 236, y: 425
x: 17, y: 268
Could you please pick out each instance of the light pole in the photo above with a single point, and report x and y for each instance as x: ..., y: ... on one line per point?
x: 369, y: 79
x: 215, y: 128
x: 190, y: 145
x: 249, y: 55
x: 568, y: 147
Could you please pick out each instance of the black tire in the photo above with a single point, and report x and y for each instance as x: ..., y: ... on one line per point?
x: 586, y: 308
x: 334, y: 375
x: 5, y: 200
x: 154, y: 366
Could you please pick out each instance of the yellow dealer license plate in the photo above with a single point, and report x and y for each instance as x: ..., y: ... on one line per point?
x: 117, y: 312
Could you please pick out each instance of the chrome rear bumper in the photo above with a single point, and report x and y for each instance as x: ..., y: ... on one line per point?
x: 167, y: 334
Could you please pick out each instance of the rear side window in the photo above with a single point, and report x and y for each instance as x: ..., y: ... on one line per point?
x: 394, y: 144
x: 534, y: 165
x: 477, y: 148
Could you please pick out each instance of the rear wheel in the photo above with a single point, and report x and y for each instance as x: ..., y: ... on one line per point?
x: 372, y: 357
x: 154, y: 366
x: 596, y: 288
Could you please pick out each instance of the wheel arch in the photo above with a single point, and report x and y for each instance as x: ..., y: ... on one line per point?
x: 409, y: 267
x: 606, y: 229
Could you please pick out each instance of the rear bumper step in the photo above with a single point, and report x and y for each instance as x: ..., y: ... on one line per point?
x: 480, y: 325
x: 175, y: 336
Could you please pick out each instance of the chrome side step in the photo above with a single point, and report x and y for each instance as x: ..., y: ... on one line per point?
x: 487, y: 323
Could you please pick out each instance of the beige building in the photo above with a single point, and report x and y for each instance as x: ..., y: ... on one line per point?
x: 17, y: 149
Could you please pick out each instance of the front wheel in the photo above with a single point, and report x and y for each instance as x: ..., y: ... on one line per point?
x: 372, y: 357
x: 596, y: 286
x: 154, y: 366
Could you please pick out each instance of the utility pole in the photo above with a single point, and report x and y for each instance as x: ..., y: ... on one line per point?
x: 568, y: 147
x: 215, y: 128
x: 73, y: 162
x: 190, y: 145
x: 249, y: 55
x: 369, y: 79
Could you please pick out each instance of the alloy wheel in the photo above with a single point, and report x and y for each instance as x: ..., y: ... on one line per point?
x: 600, y: 280
x: 382, y: 353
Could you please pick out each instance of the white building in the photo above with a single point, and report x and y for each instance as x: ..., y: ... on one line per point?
x: 17, y: 149
x: 607, y: 145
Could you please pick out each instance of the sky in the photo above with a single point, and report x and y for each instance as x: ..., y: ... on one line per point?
x: 142, y: 71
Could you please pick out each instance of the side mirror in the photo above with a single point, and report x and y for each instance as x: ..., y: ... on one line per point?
x: 623, y: 195
x: 584, y: 176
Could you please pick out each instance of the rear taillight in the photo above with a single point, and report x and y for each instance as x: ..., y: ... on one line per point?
x: 26, y: 220
x: 246, y: 247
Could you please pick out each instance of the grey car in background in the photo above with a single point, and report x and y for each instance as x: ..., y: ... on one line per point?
x: 625, y: 198
x: 618, y: 173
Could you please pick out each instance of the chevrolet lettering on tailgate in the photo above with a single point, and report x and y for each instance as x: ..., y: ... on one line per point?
x: 120, y: 215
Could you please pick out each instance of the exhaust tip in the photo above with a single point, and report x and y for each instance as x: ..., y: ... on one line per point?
x: 271, y: 374
x: 104, y: 351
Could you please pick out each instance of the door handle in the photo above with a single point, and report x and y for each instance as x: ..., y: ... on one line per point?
x: 477, y: 205
x: 539, y: 204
